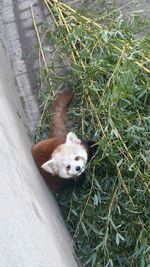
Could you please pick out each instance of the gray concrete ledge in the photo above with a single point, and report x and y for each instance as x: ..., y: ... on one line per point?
x: 32, y: 232
x: 19, y: 38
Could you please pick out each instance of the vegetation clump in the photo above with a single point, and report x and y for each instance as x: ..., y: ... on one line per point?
x: 108, y: 67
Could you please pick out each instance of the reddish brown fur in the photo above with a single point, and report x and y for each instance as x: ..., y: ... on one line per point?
x: 43, y: 150
x: 62, y: 101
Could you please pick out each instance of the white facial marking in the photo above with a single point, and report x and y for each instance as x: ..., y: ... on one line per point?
x: 69, y: 159
x: 49, y: 166
x: 72, y: 138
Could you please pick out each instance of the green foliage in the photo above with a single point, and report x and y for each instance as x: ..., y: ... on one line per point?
x: 109, y: 71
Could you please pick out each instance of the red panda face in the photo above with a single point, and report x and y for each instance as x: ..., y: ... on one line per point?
x: 69, y: 159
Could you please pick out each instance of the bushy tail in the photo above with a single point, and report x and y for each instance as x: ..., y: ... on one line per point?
x: 57, y: 127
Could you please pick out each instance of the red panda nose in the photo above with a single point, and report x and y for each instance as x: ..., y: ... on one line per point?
x: 78, y: 168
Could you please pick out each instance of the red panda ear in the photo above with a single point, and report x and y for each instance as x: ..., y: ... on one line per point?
x: 72, y: 139
x: 48, y: 166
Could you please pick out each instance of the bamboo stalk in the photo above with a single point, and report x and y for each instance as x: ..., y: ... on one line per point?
x: 38, y: 37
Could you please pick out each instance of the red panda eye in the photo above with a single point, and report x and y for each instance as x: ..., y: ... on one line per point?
x: 77, y: 158
x: 68, y: 167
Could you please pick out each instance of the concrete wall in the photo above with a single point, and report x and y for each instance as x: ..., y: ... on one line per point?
x: 32, y: 233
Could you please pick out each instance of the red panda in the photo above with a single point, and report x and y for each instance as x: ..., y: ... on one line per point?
x: 62, y: 158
